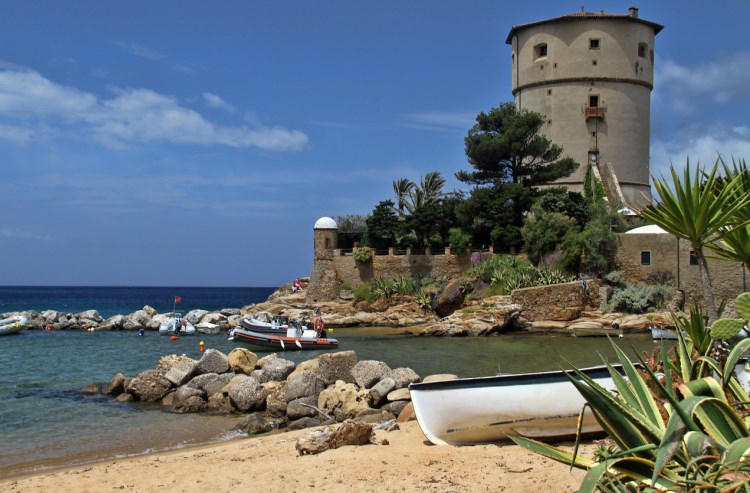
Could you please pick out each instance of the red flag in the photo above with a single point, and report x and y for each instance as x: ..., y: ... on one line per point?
x: 177, y: 299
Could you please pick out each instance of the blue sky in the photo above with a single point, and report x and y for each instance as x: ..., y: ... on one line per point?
x: 196, y: 143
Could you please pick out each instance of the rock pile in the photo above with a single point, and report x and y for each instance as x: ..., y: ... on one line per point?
x: 274, y: 392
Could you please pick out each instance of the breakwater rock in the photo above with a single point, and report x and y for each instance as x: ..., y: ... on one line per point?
x: 273, y: 392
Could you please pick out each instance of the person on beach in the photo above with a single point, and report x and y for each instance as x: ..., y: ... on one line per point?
x: 297, y: 286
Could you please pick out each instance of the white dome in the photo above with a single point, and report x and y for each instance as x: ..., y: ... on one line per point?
x: 646, y: 230
x: 325, y: 223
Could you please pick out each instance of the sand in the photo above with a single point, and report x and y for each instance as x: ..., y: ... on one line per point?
x: 400, y: 460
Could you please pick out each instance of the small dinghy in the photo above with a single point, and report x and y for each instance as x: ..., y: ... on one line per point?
x: 176, y: 326
x: 12, y: 325
x: 277, y: 325
x: 483, y: 409
x: 295, y: 339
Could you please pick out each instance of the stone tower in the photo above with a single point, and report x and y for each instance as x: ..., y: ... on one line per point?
x: 591, y: 76
x: 324, y: 283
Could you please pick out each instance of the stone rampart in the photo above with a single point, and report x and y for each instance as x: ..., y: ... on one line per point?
x: 559, y: 301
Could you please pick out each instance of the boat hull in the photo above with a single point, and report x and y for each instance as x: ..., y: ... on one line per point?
x: 484, y: 409
x: 169, y: 328
x: 259, y: 326
x: 596, y: 332
x: 12, y: 325
x: 282, y: 342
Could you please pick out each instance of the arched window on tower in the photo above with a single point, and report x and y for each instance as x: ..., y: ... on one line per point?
x: 540, y: 51
x: 642, y: 50
x: 328, y: 244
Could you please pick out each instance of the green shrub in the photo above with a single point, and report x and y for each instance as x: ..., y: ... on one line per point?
x: 638, y: 298
x: 459, y: 241
x: 364, y: 292
x: 362, y: 255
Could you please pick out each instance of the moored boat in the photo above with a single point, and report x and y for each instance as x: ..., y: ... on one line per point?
x: 596, y: 332
x: 12, y: 325
x: 176, y: 326
x: 295, y: 339
x: 484, y: 409
x: 277, y: 325
x: 662, y: 334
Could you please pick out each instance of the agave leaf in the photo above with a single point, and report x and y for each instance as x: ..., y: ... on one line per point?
x: 734, y: 357
x: 636, y: 383
x: 670, y: 443
x: 726, y: 328
x: 668, y: 383
x: 630, y: 468
x: 551, y: 452
x: 627, y: 429
x: 737, y: 451
x: 707, y: 387
x: 742, y: 305
x: 698, y: 444
x: 718, y: 418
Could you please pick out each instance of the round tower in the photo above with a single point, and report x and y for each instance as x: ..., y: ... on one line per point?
x: 324, y: 281
x: 591, y: 76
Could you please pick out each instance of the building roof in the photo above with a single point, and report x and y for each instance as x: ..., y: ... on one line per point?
x: 650, y: 229
x: 582, y: 16
x: 325, y: 223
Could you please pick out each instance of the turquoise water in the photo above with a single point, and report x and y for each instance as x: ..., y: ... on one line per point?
x: 45, y: 420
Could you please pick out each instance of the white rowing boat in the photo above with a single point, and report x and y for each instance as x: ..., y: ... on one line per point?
x: 484, y: 409
x: 12, y: 325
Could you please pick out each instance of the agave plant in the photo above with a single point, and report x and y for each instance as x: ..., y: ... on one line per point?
x: 691, y: 433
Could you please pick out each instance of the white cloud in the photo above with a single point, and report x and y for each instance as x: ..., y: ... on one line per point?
x: 15, y: 134
x: 702, y: 145
x: 720, y: 81
x: 440, y: 120
x: 131, y: 116
x: 140, y: 50
x: 214, y: 101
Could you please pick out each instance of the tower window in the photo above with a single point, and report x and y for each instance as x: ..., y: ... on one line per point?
x: 594, y: 44
x: 549, y: 122
x: 642, y: 50
x: 594, y: 63
x: 540, y: 50
x: 549, y: 92
x: 645, y: 257
x: 593, y: 101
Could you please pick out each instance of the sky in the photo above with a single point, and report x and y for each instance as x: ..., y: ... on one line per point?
x: 193, y: 143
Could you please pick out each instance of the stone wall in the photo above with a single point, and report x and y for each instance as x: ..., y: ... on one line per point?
x: 669, y: 254
x: 559, y: 301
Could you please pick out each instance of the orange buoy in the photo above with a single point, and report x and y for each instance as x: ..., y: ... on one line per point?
x: 173, y: 338
x: 202, y: 348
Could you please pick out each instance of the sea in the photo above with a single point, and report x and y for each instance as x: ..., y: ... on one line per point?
x: 47, y: 421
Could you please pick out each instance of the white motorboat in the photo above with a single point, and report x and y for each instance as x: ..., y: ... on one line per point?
x: 12, y: 325
x: 484, y: 409
x: 176, y: 326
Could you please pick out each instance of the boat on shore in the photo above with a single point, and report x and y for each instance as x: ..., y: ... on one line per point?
x: 294, y: 339
x: 176, y: 325
x: 597, y: 332
x: 663, y: 334
x: 12, y: 325
x: 277, y: 325
x: 542, y: 405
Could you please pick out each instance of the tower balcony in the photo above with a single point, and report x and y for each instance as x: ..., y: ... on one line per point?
x: 594, y: 112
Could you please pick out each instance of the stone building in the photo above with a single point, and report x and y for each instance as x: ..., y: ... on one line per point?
x: 591, y: 76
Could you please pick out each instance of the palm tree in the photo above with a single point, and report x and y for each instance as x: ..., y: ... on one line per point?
x: 699, y: 211
x: 734, y: 246
x: 401, y: 188
x: 432, y: 187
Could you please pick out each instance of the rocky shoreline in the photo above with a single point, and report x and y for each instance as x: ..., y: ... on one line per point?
x: 273, y: 391
x: 481, y: 317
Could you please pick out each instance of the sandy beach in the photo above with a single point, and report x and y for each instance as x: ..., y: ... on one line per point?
x: 399, y: 460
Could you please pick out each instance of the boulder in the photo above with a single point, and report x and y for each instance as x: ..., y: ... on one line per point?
x: 91, y: 388
x: 185, y: 392
x: 450, y: 299
x: 214, y: 318
x: 213, y: 361
x: 399, y: 395
x: 367, y: 373
x: 215, y: 385
x: 344, y: 400
x: 151, y: 385
x: 312, y: 365
x: 195, y: 316
x: 407, y: 413
x: 380, y: 390
x: 167, y: 362
x: 337, y: 366
x: 136, y: 320
x: 440, y: 377
x: 300, y: 408
x: 116, y: 385
x: 90, y: 315
x: 348, y: 433
x: 203, y: 382
x: 181, y: 372
x: 302, y: 423
x: 247, y: 395
x: 230, y: 312
x: 150, y: 311
x: 262, y: 362
x: 304, y: 384
x: 396, y: 407
x: 220, y: 403
x: 242, y: 360
x: 277, y: 369
x: 276, y: 402
x: 403, y: 377
x: 157, y: 320
x: 193, y: 404
x: 112, y: 323
x: 254, y: 424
